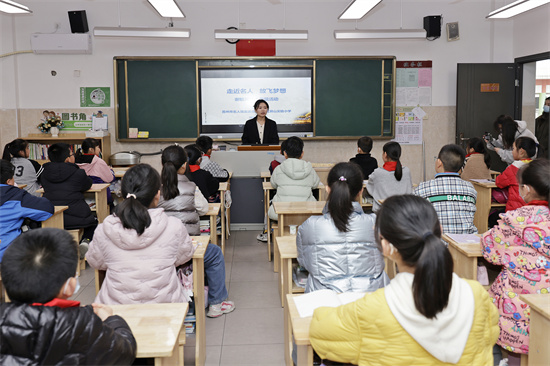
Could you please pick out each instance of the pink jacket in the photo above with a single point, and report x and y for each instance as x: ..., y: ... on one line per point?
x: 140, y: 269
x: 98, y: 168
x: 520, y: 243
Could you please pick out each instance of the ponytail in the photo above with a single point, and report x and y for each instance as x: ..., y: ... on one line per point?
x: 140, y: 185
x: 345, y: 181
x: 393, y: 151
x: 410, y: 223
x: 173, y: 158
x: 14, y: 148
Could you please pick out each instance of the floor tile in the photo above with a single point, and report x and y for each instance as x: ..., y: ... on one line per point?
x: 85, y: 295
x: 214, y: 330
x: 250, y: 253
x: 87, y: 276
x: 245, y: 237
x: 255, y: 295
x: 258, y: 270
x: 262, y: 354
x: 213, y: 354
x: 253, y: 326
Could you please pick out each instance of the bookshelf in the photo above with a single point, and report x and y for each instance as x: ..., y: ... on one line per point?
x: 40, y: 142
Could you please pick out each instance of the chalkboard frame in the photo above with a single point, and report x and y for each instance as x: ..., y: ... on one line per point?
x: 387, y: 97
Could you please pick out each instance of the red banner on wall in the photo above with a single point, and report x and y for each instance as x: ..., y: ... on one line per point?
x: 256, y: 47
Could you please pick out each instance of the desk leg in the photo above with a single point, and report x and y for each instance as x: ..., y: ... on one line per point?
x: 99, y: 278
x: 222, y: 219
x: 285, y: 279
x: 102, y: 208
x: 276, y: 254
x: 483, y: 207
x: 269, y: 240
x: 213, y: 230
x: 288, y: 337
x: 200, y: 314
x: 539, y: 339
x: 305, y: 355
x: 464, y: 267
x: 171, y: 360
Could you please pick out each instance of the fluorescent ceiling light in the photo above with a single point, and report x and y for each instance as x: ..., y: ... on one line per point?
x: 259, y: 34
x: 141, y: 32
x: 358, y: 9
x: 167, y: 8
x: 381, y: 34
x: 515, y: 8
x: 12, y: 7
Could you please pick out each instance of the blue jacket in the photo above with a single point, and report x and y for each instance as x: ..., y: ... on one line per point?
x: 15, y: 205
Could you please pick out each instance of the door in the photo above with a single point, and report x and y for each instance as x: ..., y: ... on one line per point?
x: 484, y: 91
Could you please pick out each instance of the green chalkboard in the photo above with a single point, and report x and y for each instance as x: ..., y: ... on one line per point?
x: 352, y: 96
x: 161, y: 98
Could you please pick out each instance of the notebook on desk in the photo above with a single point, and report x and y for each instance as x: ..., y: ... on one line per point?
x: 307, y: 303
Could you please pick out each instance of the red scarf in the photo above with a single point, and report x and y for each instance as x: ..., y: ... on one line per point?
x: 538, y: 203
x: 194, y: 168
x: 60, y: 303
x: 472, y: 154
x: 390, y: 166
x: 207, y: 155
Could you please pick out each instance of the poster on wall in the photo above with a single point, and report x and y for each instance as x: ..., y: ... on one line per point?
x: 95, y: 97
x: 408, y: 125
x: 76, y: 121
x: 413, y: 83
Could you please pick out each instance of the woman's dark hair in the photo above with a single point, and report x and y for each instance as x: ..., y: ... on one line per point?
x: 143, y: 182
x: 13, y: 149
x: 258, y: 102
x: 87, y: 144
x: 410, y: 223
x: 345, y: 181
x: 193, y: 154
x: 173, y: 158
x: 204, y: 143
x: 507, y: 127
x: 536, y: 175
x: 527, y: 144
x: 479, y: 147
x: 393, y: 150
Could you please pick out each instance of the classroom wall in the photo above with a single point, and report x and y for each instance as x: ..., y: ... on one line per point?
x: 28, y: 87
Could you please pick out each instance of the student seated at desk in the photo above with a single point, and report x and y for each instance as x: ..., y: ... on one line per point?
x: 338, y: 249
x: 16, y: 205
x: 391, y: 179
x: 204, y: 180
x: 295, y: 178
x: 204, y: 143
x: 41, y: 326
x: 478, y: 161
x: 179, y: 197
x: 453, y: 198
x: 427, y: 315
x: 64, y: 184
x: 27, y: 171
x: 520, y: 243
x: 140, y: 247
x: 88, y: 157
x: 523, y: 150
x: 363, y: 158
x: 279, y: 158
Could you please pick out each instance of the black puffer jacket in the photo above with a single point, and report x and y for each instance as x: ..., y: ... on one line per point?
x: 44, y: 335
x: 64, y: 185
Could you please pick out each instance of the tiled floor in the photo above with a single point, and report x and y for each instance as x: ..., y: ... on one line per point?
x: 253, y: 333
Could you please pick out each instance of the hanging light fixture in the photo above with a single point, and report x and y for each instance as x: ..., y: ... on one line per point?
x: 11, y: 7
x: 358, y: 9
x: 167, y: 8
x: 515, y: 8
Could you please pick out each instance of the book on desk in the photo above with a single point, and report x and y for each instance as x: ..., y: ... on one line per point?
x: 306, y: 304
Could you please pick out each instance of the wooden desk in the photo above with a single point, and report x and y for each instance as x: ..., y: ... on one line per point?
x: 465, y: 257
x: 56, y: 220
x: 266, y: 176
x: 539, y: 336
x: 299, y: 328
x: 484, y: 205
x: 21, y: 186
x: 157, y: 329
x: 494, y: 174
x: 100, y: 192
x: 198, y: 294
x: 213, y: 211
x: 286, y: 247
x: 120, y: 171
x: 224, y: 219
x: 293, y: 213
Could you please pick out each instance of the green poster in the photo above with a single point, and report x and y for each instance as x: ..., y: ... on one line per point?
x: 77, y: 125
x: 95, y: 97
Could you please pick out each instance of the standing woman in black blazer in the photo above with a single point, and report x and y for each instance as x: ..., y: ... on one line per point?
x: 260, y: 129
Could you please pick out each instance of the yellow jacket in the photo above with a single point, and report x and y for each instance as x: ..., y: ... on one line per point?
x: 365, y: 332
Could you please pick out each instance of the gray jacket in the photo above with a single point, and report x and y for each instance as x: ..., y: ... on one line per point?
x: 343, y: 262
x: 183, y: 206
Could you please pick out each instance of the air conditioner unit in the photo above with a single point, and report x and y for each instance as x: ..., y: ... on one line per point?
x: 56, y: 43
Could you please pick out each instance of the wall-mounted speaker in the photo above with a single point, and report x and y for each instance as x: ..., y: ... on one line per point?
x: 432, y: 25
x: 452, y: 32
x: 78, y: 20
